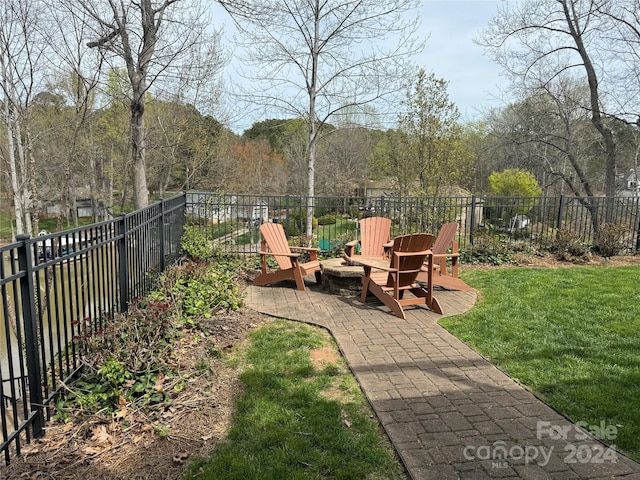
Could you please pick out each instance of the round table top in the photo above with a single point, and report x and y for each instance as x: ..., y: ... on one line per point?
x: 337, y: 267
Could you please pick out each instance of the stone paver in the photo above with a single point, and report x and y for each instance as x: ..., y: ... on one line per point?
x: 448, y: 412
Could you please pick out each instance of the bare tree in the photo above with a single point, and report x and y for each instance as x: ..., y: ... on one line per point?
x: 540, y: 41
x: 21, y: 66
x: 166, y: 44
x: 344, y: 163
x: 315, y: 59
x: 78, y: 71
x: 622, y: 43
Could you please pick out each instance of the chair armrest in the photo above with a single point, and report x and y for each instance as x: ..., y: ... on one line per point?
x: 364, y: 263
x: 446, y: 255
x: 306, y: 249
x: 371, y: 263
x: 349, y: 247
x: 412, y: 254
x: 292, y: 255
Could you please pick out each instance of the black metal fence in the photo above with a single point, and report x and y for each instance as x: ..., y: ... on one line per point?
x: 232, y: 221
x: 56, y: 289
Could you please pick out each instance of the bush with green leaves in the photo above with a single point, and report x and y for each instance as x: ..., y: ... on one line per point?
x: 327, y: 220
x: 206, y: 288
x: 514, y: 182
x: 194, y: 243
x: 103, y: 390
x: 130, y: 353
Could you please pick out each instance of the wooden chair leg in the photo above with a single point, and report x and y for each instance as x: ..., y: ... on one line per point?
x: 297, y: 274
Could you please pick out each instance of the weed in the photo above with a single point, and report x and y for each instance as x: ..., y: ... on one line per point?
x: 163, y: 430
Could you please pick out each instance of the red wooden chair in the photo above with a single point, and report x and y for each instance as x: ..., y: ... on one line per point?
x: 389, y: 286
x: 275, y: 244
x: 442, y: 275
x: 375, y: 233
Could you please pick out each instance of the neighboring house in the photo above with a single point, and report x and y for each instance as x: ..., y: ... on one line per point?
x: 257, y: 214
x: 630, y: 186
x: 201, y: 206
x: 380, y: 188
x: 83, y: 208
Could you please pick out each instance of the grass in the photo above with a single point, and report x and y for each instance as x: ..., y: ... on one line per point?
x: 296, y: 419
x: 572, y: 335
x: 48, y: 224
x: 343, y: 226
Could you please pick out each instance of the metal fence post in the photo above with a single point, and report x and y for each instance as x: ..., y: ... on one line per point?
x: 161, y: 234
x: 286, y: 216
x: 382, y: 205
x: 472, y: 227
x: 638, y: 228
x: 123, y: 270
x: 34, y: 371
x: 560, y: 213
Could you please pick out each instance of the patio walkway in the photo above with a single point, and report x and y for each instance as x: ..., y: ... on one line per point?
x: 449, y: 413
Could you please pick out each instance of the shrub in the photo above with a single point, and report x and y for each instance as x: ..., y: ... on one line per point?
x: 195, y: 244
x: 327, y: 220
x: 568, y: 246
x: 206, y: 288
x: 487, y: 248
x: 130, y: 354
x: 610, y: 239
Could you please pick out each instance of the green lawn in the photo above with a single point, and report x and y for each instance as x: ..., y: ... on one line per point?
x: 571, y: 334
x: 297, y: 419
x: 48, y: 224
x: 343, y: 226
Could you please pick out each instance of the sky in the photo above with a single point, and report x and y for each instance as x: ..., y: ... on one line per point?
x: 449, y: 27
x: 475, y: 82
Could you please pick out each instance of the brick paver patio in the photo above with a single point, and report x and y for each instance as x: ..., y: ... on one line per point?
x: 449, y: 413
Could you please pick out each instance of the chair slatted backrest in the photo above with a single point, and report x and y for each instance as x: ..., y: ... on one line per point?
x: 446, y: 235
x: 276, y: 240
x: 374, y: 233
x: 411, y: 264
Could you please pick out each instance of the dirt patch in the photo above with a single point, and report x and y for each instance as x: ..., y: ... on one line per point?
x: 321, y: 357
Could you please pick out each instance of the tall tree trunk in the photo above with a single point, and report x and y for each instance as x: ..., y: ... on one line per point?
x: 35, y: 207
x: 108, y: 215
x: 312, y: 126
x: 23, y: 186
x: 140, y: 191
x: 15, y: 186
x: 93, y: 182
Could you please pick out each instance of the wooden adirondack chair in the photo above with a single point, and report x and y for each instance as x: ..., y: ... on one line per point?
x: 408, y: 255
x: 275, y: 244
x: 375, y: 233
x: 441, y: 275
